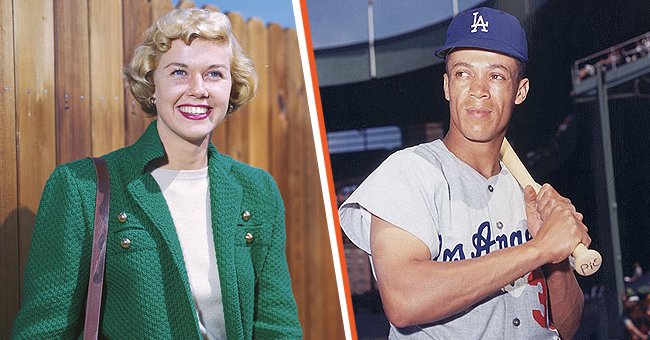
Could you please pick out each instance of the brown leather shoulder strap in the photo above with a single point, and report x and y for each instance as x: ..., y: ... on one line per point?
x: 100, y: 232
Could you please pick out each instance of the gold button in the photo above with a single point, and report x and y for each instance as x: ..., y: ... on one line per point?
x: 122, y: 217
x: 125, y: 243
x: 246, y: 215
x: 249, y: 238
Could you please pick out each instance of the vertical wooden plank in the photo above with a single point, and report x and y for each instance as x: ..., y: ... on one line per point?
x: 36, y: 142
x: 106, y: 85
x: 72, y: 80
x: 9, y: 259
x: 136, y: 16
x: 319, y: 283
x: 277, y: 103
x: 160, y: 8
x: 296, y: 222
x: 258, y: 114
x: 236, y: 124
x: 322, y: 282
x: 313, y: 217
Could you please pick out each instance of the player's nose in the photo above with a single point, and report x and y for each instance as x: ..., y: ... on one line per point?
x: 479, y: 88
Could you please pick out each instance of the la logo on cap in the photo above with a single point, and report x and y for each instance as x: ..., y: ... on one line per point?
x: 478, y: 21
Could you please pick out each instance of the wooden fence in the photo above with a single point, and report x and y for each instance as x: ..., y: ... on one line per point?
x: 62, y: 98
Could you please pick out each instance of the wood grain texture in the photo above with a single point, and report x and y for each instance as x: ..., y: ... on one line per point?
x: 297, y: 246
x: 9, y: 259
x: 35, y: 112
x: 277, y: 103
x: 72, y: 80
x: 160, y: 8
x: 321, y: 283
x: 106, y: 86
x: 236, y: 123
x: 325, y: 292
x: 316, y: 228
x: 136, y: 18
x: 258, y: 114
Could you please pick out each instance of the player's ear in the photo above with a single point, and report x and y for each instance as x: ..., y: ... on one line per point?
x: 445, y: 85
x: 522, y: 91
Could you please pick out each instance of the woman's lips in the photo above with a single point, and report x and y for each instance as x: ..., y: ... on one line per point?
x: 195, y: 112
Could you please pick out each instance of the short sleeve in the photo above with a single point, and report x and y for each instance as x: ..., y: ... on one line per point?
x: 400, y: 191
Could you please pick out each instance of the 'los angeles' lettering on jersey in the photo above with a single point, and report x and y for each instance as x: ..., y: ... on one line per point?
x: 482, y: 243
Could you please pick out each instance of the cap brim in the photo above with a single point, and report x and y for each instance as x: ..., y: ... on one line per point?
x: 482, y: 43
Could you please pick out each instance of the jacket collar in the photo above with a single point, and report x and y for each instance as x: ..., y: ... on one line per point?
x: 149, y: 147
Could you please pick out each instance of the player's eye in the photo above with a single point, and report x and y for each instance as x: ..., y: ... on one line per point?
x: 497, y: 76
x: 462, y: 74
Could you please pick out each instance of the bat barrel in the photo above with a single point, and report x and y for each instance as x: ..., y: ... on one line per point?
x: 587, y: 261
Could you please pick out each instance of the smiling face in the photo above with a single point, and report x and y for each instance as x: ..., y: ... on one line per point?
x: 482, y: 88
x: 192, y: 90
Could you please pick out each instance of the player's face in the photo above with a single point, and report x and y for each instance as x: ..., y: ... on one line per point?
x: 482, y: 89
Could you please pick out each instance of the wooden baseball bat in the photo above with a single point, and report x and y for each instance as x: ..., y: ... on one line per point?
x: 587, y: 261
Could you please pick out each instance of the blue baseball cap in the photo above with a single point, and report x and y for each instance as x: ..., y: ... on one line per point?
x: 487, y: 29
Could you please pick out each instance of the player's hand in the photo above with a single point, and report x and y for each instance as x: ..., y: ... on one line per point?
x: 532, y: 215
x: 548, y: 198
x: 561, y: 226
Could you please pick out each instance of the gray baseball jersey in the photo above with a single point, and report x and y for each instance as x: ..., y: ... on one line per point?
x: 458, y: 214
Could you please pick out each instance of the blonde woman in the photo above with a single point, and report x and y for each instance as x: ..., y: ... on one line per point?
x: 196, y: 243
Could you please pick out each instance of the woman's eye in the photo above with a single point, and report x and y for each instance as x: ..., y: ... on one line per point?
x: 215, y: 74
x: 179, y: 73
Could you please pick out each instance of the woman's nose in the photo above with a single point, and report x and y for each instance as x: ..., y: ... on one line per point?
x: 197, y: 87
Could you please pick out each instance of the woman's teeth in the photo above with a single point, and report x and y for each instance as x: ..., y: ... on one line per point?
x: 193, y: 110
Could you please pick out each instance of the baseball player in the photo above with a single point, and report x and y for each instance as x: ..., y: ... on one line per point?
x: 458, y: 249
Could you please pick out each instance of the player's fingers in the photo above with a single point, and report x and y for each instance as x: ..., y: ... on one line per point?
x: 529, y: 194
x: 583, y: 226
x: 545, y: 205
x: 578, y: 215
x: 530, y: 197
x: 548, y: 192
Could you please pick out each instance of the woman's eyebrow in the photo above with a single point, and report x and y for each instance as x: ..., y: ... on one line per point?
x: 176, y: 64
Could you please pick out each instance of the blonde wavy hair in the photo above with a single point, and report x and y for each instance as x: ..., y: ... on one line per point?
x: 188, y: 24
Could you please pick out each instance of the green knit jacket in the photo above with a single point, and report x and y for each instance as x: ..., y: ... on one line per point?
x: 146, y: 290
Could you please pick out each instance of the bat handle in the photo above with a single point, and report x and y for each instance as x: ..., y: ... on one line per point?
x: 587, y: 261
